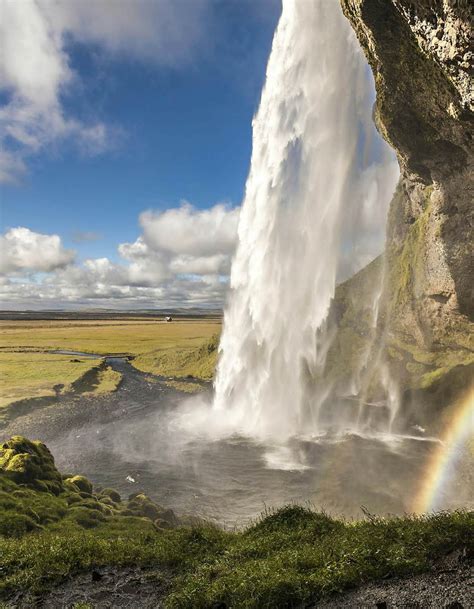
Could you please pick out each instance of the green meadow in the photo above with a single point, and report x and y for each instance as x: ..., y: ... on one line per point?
x: 28, y: 370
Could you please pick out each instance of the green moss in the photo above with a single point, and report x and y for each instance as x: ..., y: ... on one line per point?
x: 141, y: 505
x: 112, y: 494
x: 29, y: 463
x: 85, y: 516
x: 82, y: 483
x: 405, y: 262
x: 16, y: 525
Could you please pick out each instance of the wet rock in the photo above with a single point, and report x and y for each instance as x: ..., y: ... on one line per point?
x: 423, y: 109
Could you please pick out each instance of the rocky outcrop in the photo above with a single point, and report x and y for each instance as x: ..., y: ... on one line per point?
x: 422, y: 64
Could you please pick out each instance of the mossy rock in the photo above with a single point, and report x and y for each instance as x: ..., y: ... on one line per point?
x: 82, y: 484
x: 112, y: 494
x: 141, y: 505
x: 73, y: 499
x: 107, y: 501
x: 30, y: 463
x: 91, y: 504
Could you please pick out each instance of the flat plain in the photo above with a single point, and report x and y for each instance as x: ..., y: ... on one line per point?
x: 29, y: 368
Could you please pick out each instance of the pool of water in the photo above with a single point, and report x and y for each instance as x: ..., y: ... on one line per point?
x: 132, y: 441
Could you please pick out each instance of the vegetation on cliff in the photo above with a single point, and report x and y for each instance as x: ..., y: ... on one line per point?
x: 53, y: 526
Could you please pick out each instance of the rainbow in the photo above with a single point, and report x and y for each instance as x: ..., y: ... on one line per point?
x: 441, y: 464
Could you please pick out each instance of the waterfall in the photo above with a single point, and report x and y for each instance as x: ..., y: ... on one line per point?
x: 307, y: 173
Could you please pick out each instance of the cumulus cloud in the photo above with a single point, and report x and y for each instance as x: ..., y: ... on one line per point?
x: 36, y: 72
x: 186, y: 230
x: 189, y: 269
x: 22, y: 250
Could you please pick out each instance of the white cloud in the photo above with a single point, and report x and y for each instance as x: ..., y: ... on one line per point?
x: 186, y: 230
x: 22, y: 250
x: 36, y: 72
x: 187, y: 270
x: 168, y: 32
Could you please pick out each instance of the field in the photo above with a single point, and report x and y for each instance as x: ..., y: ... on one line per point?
x: 33, y: 374
x: 27, y: 368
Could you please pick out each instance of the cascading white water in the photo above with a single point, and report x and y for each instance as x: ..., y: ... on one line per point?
x: 306, y: 176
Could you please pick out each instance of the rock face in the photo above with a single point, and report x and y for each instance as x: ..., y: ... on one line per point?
x: 422, y: 64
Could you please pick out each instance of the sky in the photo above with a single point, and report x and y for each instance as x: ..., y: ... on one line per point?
x: 125, y: 143
x: 125, y: 132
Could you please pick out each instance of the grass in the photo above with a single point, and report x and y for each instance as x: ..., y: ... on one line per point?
x: 168, y: 349
x: 198, y: 361
x: 289, y: 558
x: 108, y: 380
x: 184, y: 386
x: 135, y: 337
x: 32, y: 375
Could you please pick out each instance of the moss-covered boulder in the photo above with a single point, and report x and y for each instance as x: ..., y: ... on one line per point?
x: 34, y: 496
x: 30, y: 463
x: 141, y: 505
x: 111, y: 494
x: 81, y: 483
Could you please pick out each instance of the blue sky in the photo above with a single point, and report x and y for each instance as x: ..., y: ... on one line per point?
x: 125, y: 143
x: 126, y: 138
x: 178, y: 131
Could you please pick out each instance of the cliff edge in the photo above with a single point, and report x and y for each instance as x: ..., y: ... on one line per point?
x: 422, y: 61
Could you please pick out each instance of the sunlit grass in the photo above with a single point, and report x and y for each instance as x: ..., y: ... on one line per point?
x: 32, y: 375
x: 108, y: 380
x: 168, y: 349
x: 103, y: 337
x: 289, y: 559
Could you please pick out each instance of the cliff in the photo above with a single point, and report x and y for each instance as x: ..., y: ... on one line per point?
x: 422, y: 64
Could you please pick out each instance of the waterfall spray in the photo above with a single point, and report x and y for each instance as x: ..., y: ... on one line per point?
x: 308, y: 138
